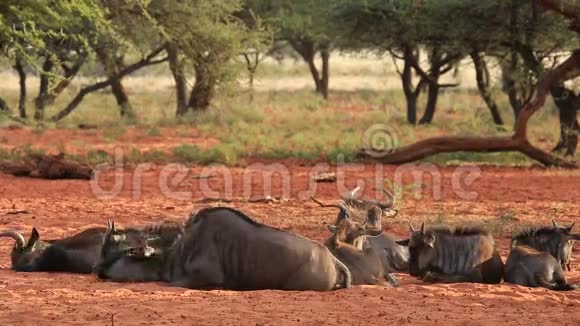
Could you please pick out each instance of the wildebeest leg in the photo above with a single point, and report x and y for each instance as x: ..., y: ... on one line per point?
x: 309, y: 278
x: 558, y: 283
x: 201, y: 272
x: 391, y: 280
x: 557, y: 286
x: 474, y: 277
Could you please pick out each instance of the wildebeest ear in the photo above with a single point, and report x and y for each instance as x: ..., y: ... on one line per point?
x: 110, y: 225
x: 34, y: 236
x: 571, y: 226
x: 342, y: 213
x: 332, y: 228
x: 403, y: 242
x: 575, y: 236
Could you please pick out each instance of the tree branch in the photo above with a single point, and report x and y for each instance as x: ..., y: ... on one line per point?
x: 517, y: 142
x: 146, y: 61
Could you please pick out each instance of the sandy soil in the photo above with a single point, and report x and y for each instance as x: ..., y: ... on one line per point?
x: 54, y: 141
x: 58, y: 208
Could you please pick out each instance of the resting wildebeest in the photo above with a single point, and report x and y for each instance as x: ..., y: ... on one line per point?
x: 462, y: 254
x: 223, y: 248
x: 529, y: 267
x: 556, y: 240
x: 394, y: 257
x: 365, y: 264
x: 78, y: 253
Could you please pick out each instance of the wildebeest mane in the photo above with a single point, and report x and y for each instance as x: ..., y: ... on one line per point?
x: 458, y: 249
x: 205, y: 211
x: 459, y: 231
x: 532, y: 232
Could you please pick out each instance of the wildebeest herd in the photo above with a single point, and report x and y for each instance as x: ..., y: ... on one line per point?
x: 223, y: 248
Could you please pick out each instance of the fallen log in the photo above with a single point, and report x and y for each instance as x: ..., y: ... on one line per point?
x: 48, y: 167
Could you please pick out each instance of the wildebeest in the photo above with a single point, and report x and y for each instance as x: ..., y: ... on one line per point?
x: 555, y: 239
x: 224, y: 248
x: 394, y: 256
x: 529, y: 267
x: 364, y: 264
x: 78, y: 253
x: 463, y: 254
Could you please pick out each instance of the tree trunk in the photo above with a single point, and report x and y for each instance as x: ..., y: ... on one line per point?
x: 19, y: 67
x: 483, y: 83
x: 433, y: 87
x: 203, y: 89
x: 325, y: 55
x: 517, y: 142
x: 568, y: 105
x: 43, y: 98
x: 307, y: 49
x: 411, y: 93
x: 126, y: 110
x: 48, y: 94
x: 179, y: 77
x: 432, y: 96
x: 72, y: 105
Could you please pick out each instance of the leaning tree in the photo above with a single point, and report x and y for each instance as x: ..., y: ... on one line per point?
x: 547, y: 80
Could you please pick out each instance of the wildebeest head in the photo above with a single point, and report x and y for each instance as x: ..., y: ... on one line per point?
x: 362, y: 210
x: 123, y: 254
x: 25, y: 250
x: 556, y: 239
x: 421, y: 249
x: 349, y: 231
x: 118, y: 243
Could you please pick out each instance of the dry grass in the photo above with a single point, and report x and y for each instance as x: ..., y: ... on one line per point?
x: 286, y: 119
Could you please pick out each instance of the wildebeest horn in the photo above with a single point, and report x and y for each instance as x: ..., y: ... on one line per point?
x: 412, y: 228
x: 391, y: 199
x: 342, y: 205
x: 20, y: 241
x: 423, y: 228
x: 353, y: 192
x: 571, y: 226
x: 555, y: 224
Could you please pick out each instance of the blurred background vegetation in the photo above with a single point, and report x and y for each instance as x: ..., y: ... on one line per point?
x: 279, y: 79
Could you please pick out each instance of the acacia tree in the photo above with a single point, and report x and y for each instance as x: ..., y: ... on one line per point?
x: 201, y: 36
x: 304, y: 26
x: 549, y: 78
x: 404, y: 30
x: 34, y: 28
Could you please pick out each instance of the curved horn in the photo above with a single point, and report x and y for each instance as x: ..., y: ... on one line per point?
x: 343, y: 210
x: 353, y: 192
x: 571, y: 226
x: 423, y: 228
x: 411, y: 227
x: 391, y: 199
x: 20, y: 241
x: 555, y: 224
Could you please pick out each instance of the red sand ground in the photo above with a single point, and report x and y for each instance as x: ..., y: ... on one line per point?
x: 61, y: 208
